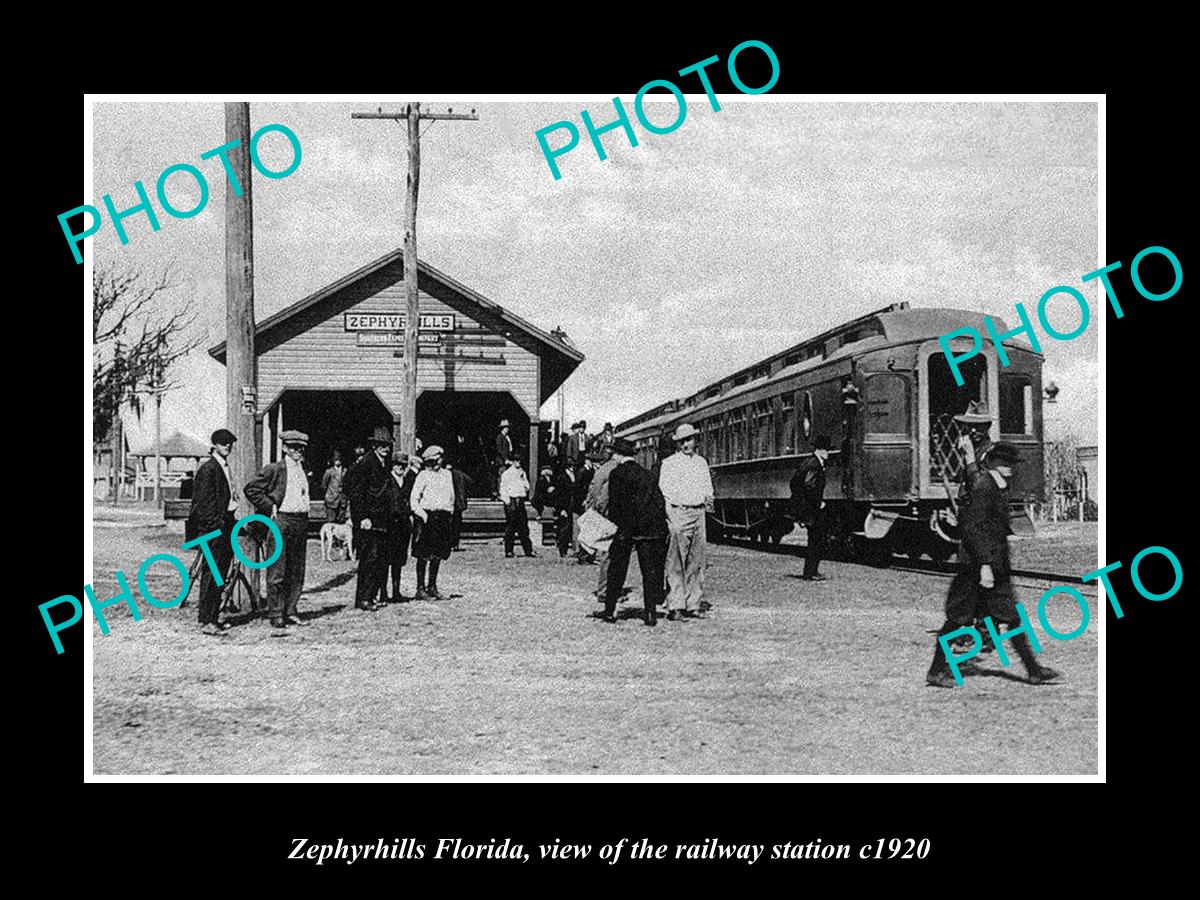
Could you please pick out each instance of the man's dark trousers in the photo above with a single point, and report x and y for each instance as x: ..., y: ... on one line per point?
x: 815, y: 550
x: 516, y: 525
x: 372, y: 565
x: 651, y: 553
x: 210, y: 594
x: 285, y: 579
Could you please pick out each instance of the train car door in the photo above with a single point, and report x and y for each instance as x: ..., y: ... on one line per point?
x: 939, y: 400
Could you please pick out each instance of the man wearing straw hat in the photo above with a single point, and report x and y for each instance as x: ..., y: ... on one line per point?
x: 687, y: 488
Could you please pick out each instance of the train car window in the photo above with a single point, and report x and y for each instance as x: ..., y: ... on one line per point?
x: 806, y: 416
x: 712, y: 439
x: 737, y: 435
x: 1016, y: 404
x: 887, y: 404
x: 787, y: 425
x: 764, y: 429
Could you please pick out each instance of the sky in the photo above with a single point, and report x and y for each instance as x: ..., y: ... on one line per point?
x: 669, y: 264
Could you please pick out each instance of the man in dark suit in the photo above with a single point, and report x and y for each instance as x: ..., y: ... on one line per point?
x: 370, y: 506
x: 983, y: 585
x: 577, y: 444
x: 808, y: 504
x: 280, y: 491
x: 214, y: 502
x: 504, y: 449
x: 637, y: 508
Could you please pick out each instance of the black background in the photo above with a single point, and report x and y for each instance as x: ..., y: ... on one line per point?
x: 978, y: 830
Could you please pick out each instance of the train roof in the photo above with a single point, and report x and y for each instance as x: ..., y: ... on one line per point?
x: 894, y: 324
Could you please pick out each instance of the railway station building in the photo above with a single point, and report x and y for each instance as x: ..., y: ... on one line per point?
x: 331, y: 365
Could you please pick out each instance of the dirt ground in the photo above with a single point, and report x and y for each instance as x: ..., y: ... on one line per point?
x: 510, y: 675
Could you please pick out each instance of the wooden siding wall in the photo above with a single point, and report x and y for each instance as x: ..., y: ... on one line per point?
x: 324, y: 356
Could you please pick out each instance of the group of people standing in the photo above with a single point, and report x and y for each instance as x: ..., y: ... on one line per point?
x: 400, y: 505
x: 397, y: 503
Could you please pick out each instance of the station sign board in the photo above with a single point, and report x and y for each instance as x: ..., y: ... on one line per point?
x: 385, y: 322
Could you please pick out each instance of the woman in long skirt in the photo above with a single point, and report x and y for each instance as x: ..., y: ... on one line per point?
x: 433, y: 531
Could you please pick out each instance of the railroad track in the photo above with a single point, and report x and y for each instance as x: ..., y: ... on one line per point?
x: 898, y: 562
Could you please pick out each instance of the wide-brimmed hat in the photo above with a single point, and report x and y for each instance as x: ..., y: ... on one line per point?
x: 400, y: 457
x: 504, y: 423
x: 381, y: 435
x: 976, y: 414
x: 683, y: 432
x: 624, y: 447
x: 294, y: 437
x: 223, y: 436
x: 431, y: 451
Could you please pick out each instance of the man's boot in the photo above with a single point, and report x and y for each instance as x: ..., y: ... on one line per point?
x: 939, y: 674
x: 1037, y: 673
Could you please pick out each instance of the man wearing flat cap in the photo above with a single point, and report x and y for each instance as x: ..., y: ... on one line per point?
x: 214, y: 503
x: 433, y: 509
x: 983, y: 585
x: 687, y: 487
x: 371, y: 508
x: 280, y: 490
x: 808, y: 505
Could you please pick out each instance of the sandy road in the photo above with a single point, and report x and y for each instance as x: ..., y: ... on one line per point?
x: 511, y: 676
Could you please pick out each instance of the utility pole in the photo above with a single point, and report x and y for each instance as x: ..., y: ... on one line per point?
x: 408, y: 388
x: 241, y: 382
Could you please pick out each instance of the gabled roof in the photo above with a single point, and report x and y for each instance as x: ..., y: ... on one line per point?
x: 389, y: 270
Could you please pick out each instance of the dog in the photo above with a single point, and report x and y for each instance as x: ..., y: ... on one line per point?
x: 331, y: 534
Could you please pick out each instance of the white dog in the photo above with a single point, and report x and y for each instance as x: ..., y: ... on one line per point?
x: 332, y: 533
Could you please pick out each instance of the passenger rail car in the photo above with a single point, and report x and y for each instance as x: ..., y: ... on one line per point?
x: 881, y: 389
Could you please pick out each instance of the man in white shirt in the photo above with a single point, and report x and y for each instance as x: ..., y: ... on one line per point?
x: 433, y: 508
x: 514, y: 491
x: 280, y: 490
x: 687, y: 487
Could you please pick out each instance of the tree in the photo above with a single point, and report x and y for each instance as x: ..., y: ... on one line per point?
x: 1062, y: 476
x: 133, y: 344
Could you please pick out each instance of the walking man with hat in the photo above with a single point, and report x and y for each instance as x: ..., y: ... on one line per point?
x: 687, y: 488
x: 280, y: 490
x: 983, y: 586
x: 433, y: 508
x: 808, y: 504
x: 371, y: 507
x: 214, y: 502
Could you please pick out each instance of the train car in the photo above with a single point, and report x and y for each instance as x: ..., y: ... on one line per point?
x: 881, y: 389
